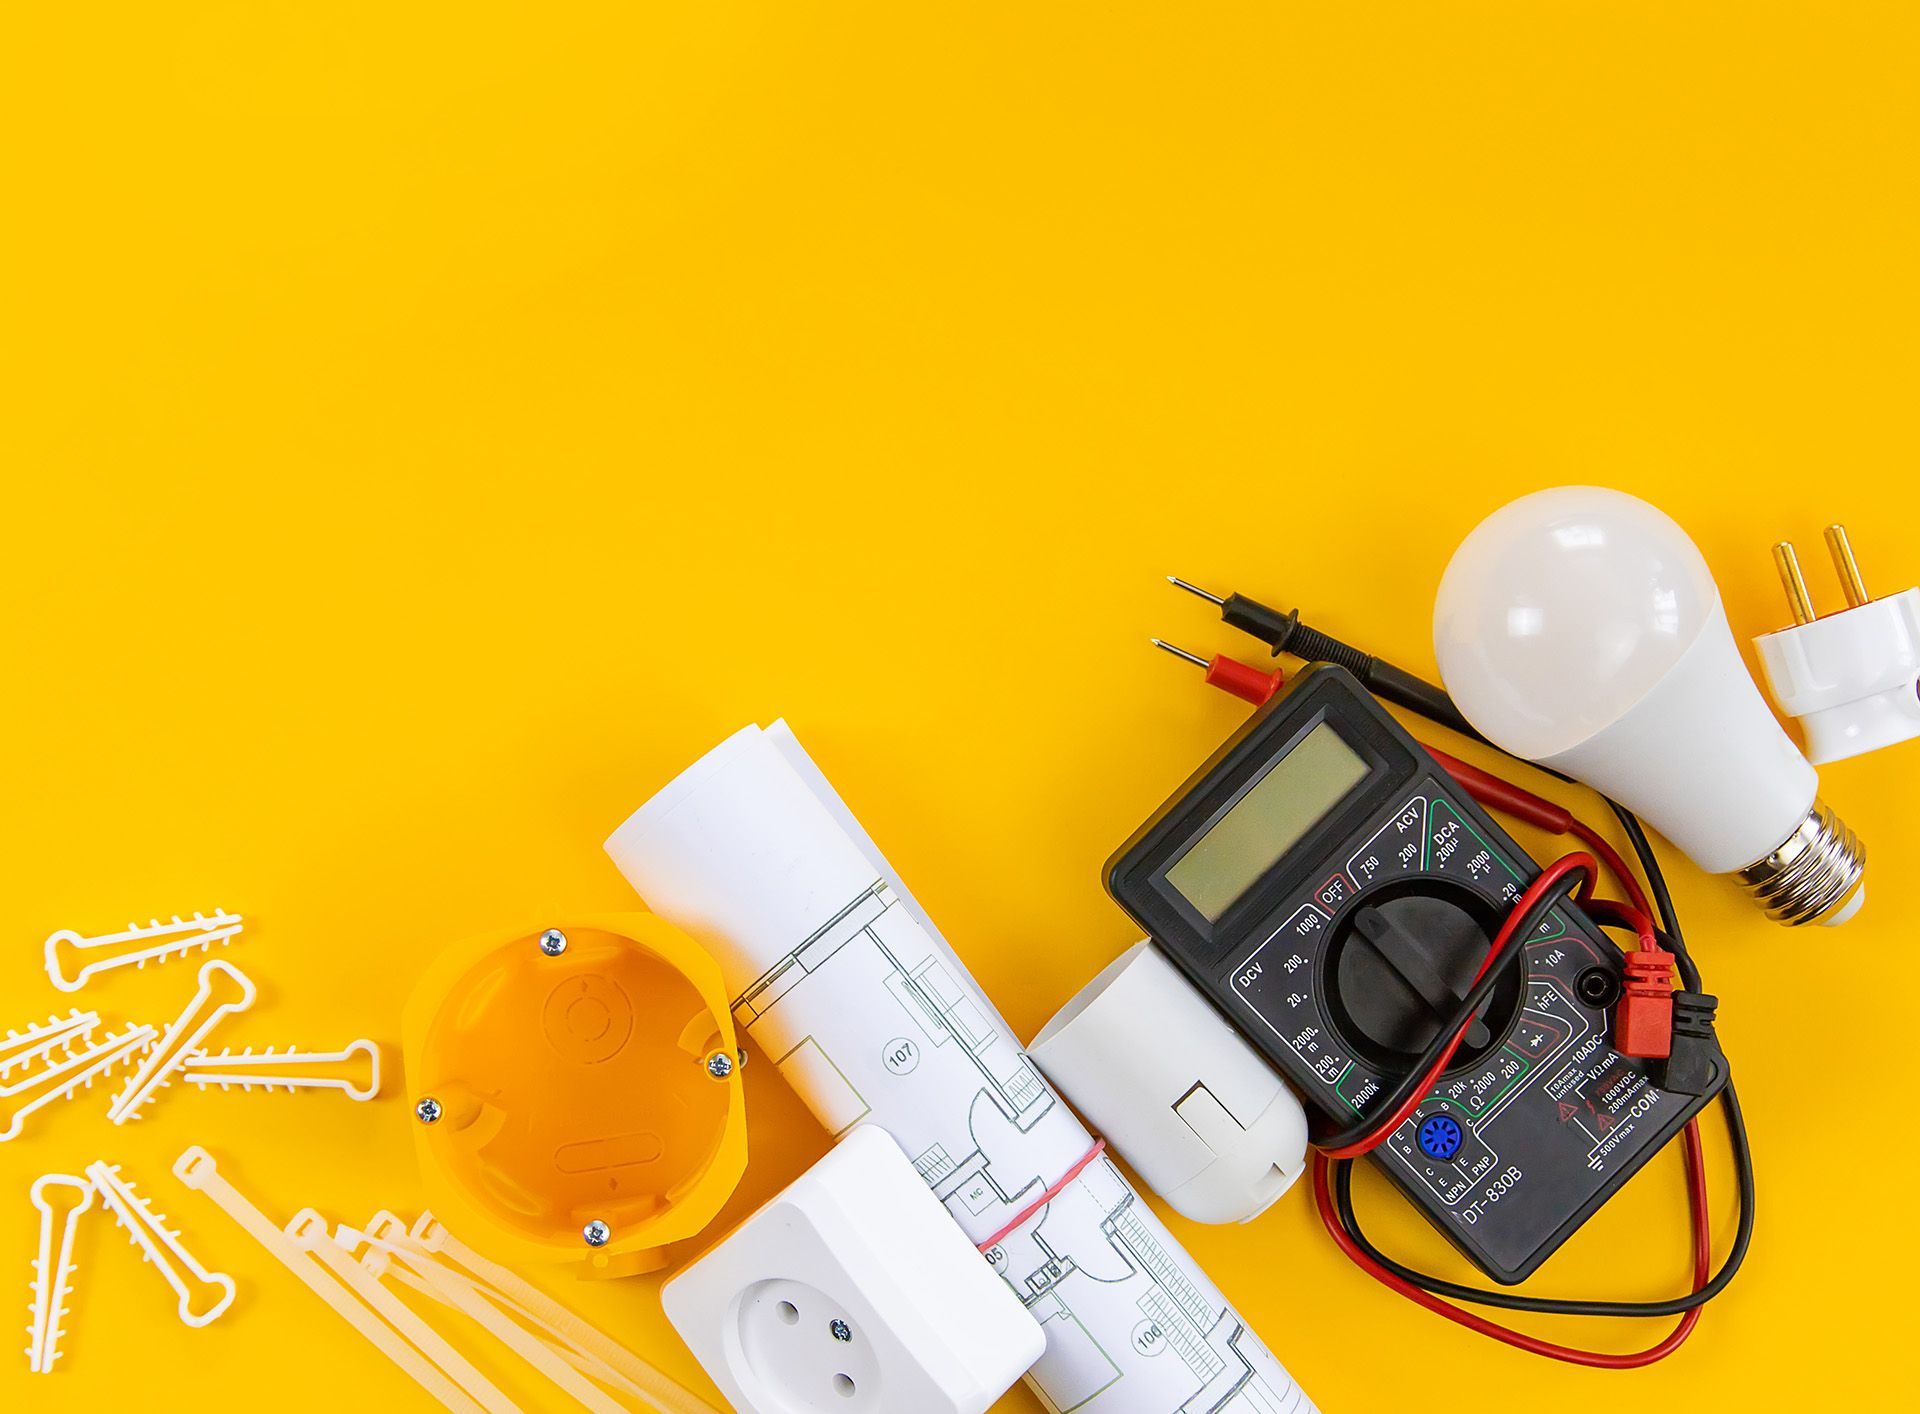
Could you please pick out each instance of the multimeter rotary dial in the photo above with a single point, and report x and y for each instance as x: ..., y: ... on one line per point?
x: 1402, y: 960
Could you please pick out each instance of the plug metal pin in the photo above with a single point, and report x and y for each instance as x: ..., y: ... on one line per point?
x: 1793, y: 582
x: 1841, y: 549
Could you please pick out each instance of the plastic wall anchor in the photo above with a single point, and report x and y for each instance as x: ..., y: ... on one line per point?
x: 601, y: 1356
x: 66, y: 1076
x: 23, y: 1047
x: 161, y: 1246
x: 287, y: 1070
x: 135, y: 946
x: 53, y: 1267
x: 184, y: 1036
x: 198, y: 1170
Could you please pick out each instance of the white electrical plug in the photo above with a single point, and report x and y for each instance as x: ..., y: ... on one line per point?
x: 1851, y: 677
x: 853, y: 1292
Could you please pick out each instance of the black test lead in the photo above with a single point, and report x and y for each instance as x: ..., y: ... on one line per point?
x: 1285, y: 633
x: 1498, y: 794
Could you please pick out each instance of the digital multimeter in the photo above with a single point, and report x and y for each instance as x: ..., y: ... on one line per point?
x: 1333, y: 891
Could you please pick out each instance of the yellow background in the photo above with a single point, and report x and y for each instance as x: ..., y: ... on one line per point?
x: 428, y: 426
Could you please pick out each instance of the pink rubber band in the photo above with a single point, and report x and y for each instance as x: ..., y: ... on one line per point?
x: 1045, y: 1198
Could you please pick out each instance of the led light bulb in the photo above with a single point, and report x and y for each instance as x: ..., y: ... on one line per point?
x: 1580, y: 628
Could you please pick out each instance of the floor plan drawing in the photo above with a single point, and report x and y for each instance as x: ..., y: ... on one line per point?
x: 843, y: 981
x: 873, y: 1024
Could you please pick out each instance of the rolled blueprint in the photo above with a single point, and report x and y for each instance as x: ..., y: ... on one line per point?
x: 841, y: 979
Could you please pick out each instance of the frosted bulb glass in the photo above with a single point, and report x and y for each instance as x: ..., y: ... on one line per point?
x: 1580, y: 628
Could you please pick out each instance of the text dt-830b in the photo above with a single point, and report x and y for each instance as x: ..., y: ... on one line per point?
x: 1333, y: 891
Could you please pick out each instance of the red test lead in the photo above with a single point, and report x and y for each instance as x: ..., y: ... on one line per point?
x: 1663, y: 1035
x: 1243, y: 680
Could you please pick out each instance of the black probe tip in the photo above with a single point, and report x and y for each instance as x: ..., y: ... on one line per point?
x: 1175, y: 579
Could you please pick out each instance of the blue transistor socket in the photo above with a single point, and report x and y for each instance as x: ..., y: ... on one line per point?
x: 1440, y: 1137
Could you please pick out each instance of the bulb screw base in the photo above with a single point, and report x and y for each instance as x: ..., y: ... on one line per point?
x: 1815, y: 875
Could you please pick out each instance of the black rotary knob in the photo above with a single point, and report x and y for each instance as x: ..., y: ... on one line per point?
x: 1403, y: 964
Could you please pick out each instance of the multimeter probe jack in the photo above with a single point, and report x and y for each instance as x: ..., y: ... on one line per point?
x: 1675, y: 1029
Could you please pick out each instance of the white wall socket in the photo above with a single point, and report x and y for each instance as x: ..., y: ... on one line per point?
x: 853, y: 1292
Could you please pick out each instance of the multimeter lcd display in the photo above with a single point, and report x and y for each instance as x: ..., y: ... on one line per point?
x: 1295, y: 794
